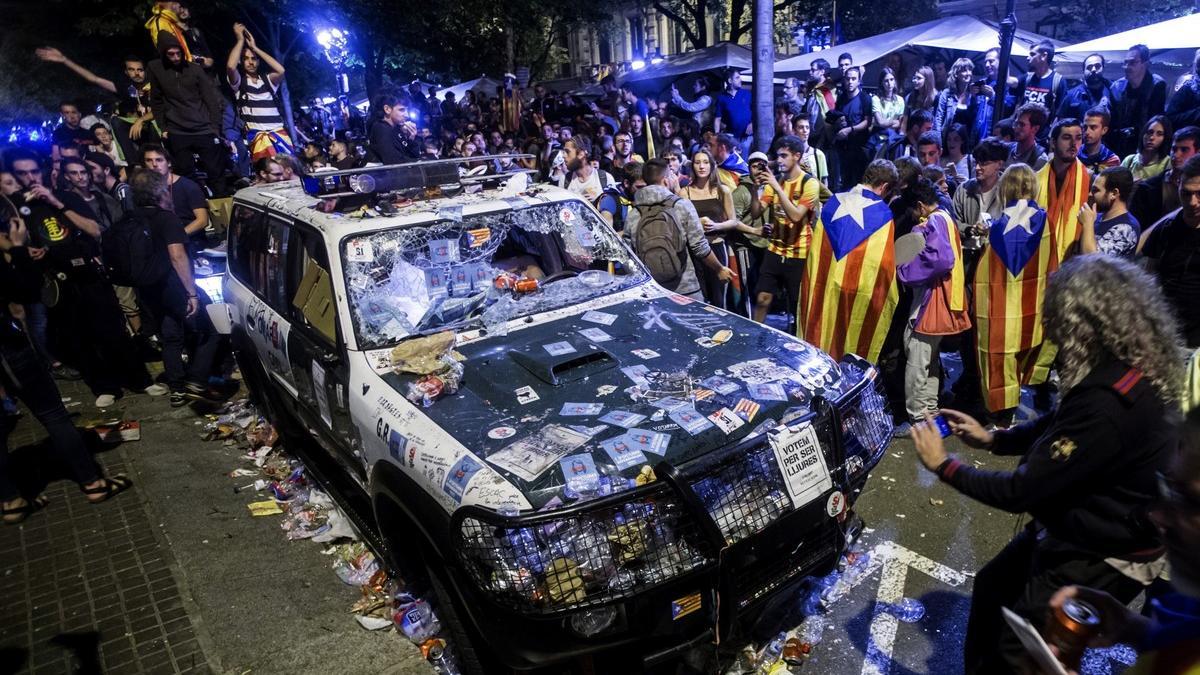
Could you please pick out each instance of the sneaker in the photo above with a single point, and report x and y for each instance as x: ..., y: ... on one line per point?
x: 65, y: 372
x: 903, y: 430
x: 198, y: 392
x: 156, y: 390
x: 178, y: 399
x: 105, y: 400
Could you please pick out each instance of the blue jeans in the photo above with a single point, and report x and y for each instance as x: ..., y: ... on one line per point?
x: 27, y: 377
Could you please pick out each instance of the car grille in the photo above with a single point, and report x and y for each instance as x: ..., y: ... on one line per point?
x: 593, y: 556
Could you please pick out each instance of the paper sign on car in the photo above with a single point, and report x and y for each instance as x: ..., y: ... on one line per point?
x: 801, y: 462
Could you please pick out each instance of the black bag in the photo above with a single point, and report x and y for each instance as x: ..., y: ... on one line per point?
x: 130, y: 258
x: 659, y: 242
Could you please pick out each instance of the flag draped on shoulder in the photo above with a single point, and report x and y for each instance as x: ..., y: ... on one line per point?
x: 849, y: 293
x: 1063, y: 201
x: 1010, y: 284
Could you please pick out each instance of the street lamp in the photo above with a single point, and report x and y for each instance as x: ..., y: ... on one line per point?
x: 334, y: 41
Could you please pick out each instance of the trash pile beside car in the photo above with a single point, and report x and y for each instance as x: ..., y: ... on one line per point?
x: 281, y: 486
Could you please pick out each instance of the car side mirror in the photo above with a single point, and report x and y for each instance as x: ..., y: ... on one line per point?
x: 221, y: 316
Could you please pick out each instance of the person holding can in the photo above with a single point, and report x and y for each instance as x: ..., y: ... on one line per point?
x: 1088, y: 473
x: 1168, y: 640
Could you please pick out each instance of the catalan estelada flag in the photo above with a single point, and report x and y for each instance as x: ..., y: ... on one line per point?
x: 848, y: 293
x: 1063, y: 201
x: 1010, y: 284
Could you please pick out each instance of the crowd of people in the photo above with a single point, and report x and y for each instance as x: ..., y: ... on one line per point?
x: 897, y: 223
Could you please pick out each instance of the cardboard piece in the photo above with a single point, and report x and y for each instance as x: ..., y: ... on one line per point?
x: 314, y: 299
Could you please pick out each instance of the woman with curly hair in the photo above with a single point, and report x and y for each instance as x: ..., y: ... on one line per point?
x: 1088, y: 469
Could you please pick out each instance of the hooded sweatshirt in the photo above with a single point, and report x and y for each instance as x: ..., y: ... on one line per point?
x: 182, y: 97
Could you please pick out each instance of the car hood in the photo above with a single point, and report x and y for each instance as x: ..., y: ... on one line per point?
x: 648, y: 357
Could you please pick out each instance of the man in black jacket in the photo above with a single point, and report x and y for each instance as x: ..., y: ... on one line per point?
x: 188, y: 108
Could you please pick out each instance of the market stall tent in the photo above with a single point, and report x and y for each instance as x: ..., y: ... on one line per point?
x: 952, y: 33
x: 1172, y: 46
x: 480, y: 85
x: 710, y: 59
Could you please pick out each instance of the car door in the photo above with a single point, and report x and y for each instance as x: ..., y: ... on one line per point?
x: 316, y: 352
x: 257, y: 265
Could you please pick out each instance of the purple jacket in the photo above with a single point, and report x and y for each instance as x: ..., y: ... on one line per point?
x: 933, y: 263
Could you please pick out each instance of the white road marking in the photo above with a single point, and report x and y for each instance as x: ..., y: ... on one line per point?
x: 895, y: 561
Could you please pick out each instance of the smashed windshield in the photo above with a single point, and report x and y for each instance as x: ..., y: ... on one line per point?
x: 463, y: 272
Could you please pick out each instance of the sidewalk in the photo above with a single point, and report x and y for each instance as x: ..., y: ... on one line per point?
x: 174, y: 576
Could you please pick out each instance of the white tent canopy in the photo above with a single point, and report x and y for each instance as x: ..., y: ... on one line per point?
x: 480, y: 85
x: 1172, y: 44
x: 960, y: 33
x: 716, y: 57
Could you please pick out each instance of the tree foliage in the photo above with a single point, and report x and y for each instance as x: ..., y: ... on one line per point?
x: 1079, y: 20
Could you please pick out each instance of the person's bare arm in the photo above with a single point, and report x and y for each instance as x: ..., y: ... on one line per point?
x: 235, y: 55
x: 52, y: 55
x: 89, y: 226
x: 183, y: 269
x: 199, y: 222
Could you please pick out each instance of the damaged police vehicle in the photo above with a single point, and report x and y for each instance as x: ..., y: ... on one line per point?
x: 575, y: 461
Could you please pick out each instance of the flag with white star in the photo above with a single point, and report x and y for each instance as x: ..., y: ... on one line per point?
x: 1016, y: 234
x: 848, y: 293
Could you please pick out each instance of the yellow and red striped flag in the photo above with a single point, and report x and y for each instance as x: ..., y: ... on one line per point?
x: 1010, y: 285
x: 848, y: 293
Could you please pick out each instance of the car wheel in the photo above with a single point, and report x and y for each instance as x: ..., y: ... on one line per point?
x: 424, y: 580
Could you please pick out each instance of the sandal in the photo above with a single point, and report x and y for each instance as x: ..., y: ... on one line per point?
x: 109, y: 488
x: 17, y: 514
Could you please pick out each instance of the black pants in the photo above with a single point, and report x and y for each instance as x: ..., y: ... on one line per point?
x: 168, y: 305
x: 205, y: 146
x: 1023, y: 577
x: 26, y: 376
x: 95, y: 328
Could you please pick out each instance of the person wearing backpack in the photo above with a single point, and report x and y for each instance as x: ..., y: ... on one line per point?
x: 794, y: 199
x: 666, y: 234
x: 160, y: 268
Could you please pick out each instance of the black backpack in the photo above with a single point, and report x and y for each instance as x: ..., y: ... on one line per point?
x: 129, y: 255
x: 659, y: 242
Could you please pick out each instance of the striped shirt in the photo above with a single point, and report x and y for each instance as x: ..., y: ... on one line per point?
x: 256, y: 104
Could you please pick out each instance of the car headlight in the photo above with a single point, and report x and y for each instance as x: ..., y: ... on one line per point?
x: 867, y: 423
x: 590, y: 554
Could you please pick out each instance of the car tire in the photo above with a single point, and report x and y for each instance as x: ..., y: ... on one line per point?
x: 424, y: 580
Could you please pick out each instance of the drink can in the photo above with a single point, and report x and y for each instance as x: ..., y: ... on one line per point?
x: 1070, y: 628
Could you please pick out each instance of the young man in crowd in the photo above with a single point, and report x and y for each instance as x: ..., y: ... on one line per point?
x: 102, y: 208
x: 187, y: 198
x: 850, y: 140
x: 1108, y: 226
x: 1137, y: 97
x: 1064, y: 183
x: 733, y: 115
x: 1094, y: 92
x: 1043, y: 84
x: 1183, y: 109
x: 69, y: 134
x: 256, y: 96
x: 1158, y: 195
x: 1094, y: 154
x: 623, y: 151
x: 1028, y: 122
x: 615, y: 201
x: 919, y: 122
x: 188, y: 109
x: 656, y: 196
x: 794, y: 203
x: 104, y: 177
x: 582, y: 178
x: 701, y: 105
x: 175, y: 301
x: 1172, y: 245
